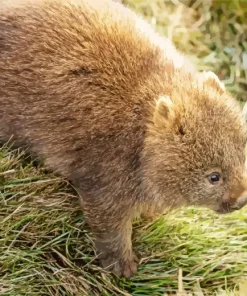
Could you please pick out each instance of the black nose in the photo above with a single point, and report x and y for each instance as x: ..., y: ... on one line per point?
x: 241, y: 202
x: 226, y: 207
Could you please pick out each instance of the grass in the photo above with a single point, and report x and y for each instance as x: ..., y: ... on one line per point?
x: 47, y: 249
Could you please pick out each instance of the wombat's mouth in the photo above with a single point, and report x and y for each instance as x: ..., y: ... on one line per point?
x: 226, y: 207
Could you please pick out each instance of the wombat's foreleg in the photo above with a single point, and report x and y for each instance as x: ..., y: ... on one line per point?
x: 111, y: 225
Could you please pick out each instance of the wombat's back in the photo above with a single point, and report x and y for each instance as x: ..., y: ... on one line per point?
x: 69, y: 72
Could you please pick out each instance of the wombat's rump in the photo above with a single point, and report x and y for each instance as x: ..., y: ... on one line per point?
x: 117, y: 110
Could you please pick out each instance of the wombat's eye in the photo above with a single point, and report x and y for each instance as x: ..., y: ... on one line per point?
x: 214, y: 178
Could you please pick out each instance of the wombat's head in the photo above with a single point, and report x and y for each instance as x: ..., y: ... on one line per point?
x: 195, y: 147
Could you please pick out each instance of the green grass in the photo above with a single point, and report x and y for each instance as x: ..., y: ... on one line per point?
x: 47, y: 249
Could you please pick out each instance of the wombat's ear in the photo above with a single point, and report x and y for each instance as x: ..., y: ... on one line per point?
x: 163, y: 110
x: 244, y: 118
x: 211, y: 79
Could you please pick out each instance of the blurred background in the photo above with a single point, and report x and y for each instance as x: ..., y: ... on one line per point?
x: 212, y: 32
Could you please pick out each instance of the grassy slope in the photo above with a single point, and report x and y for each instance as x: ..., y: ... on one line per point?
x: 45, y: 246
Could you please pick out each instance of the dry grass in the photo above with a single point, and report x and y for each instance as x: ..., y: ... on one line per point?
x: 45, y: 246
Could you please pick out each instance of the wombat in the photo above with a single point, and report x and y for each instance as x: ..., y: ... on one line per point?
x: 117, y: 110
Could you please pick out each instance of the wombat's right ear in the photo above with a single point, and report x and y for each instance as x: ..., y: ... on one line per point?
x: 211, y: 79
x: 163, y: 111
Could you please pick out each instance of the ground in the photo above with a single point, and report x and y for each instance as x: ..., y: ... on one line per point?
x: 47, y: 249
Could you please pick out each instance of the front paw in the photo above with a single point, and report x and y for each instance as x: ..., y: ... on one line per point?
x: 125, y: 266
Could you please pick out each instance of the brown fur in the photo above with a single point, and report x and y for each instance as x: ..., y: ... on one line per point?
x: 118, y: 111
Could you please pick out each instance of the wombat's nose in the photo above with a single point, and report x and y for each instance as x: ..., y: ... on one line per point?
x: 241, y: 202
x: 228, y: 207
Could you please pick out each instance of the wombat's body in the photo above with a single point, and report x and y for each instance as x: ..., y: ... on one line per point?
x: 118, y: 111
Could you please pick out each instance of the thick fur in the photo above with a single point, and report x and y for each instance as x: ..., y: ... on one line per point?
x: 118, y: 111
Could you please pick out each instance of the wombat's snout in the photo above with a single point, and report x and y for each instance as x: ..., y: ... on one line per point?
x: 241, y: 202
x: 228, y: 207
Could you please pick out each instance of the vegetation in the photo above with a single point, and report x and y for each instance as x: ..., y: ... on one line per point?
x: 47, y: 249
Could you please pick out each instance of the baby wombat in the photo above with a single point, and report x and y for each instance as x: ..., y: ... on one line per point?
x: 118, y: 111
